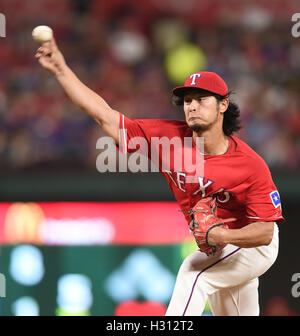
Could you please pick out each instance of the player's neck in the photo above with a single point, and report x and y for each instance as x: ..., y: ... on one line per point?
x: 215, y: 143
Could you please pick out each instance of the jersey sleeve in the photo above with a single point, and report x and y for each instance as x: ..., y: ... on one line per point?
x: 134, y: 131
x: 134, y: 134
x: 263, y: 199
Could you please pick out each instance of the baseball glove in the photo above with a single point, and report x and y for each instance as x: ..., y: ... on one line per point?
x: 203, y: 219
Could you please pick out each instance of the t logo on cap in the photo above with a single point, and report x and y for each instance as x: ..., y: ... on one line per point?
x: 194, y: 76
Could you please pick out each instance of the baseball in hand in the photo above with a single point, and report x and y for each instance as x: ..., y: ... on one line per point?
x: 42, y: 34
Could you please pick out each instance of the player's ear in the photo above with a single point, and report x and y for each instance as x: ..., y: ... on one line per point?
x: 223, y: 105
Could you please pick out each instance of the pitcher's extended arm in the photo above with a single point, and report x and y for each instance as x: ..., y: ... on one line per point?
x: 86, y: 99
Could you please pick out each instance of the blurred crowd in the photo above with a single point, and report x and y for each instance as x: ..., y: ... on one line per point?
x: 132, y: 53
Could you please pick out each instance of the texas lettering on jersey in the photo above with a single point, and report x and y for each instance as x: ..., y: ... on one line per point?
x: 179, y: 180
x: 239, y: 179
x: 204, y: 187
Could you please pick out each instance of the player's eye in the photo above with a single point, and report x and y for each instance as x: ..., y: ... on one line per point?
x: 188, y: 100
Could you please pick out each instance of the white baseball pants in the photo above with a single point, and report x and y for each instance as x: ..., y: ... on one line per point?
x: 228, y: 280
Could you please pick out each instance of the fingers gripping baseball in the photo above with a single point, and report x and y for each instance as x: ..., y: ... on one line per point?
x: 50, y: 57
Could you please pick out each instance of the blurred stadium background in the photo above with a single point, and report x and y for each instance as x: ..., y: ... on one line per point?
x: 65, y: 250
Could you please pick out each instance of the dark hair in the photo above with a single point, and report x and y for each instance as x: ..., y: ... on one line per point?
x: 231, y: 122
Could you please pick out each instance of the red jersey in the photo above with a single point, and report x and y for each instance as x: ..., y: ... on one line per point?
x: 239, y: 179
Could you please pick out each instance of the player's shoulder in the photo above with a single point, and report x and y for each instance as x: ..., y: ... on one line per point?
x: 164, y: 127
x: 252, y: 159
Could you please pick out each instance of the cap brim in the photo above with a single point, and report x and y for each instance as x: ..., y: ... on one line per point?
x: 180, y: 91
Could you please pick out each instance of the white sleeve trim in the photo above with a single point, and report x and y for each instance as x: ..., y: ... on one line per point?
x: 124, y: 135
x: 264, y: 219
x: 253, y: 217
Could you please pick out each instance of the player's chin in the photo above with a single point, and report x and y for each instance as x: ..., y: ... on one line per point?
x: 196, y: 126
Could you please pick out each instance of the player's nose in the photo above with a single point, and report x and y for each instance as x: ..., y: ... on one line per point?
x: 193, y: 105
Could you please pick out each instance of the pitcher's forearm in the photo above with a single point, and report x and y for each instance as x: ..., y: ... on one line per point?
x: 89, y: 101
x: 252, y: 235
x: 81, y: 95
x: 86, y: 99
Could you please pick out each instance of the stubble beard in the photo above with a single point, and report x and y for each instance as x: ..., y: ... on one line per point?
x: 199, y: 128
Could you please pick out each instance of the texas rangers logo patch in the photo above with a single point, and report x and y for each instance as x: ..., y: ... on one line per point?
x: 275, y: 198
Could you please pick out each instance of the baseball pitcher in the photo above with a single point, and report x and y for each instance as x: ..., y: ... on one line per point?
x: 232, y: 208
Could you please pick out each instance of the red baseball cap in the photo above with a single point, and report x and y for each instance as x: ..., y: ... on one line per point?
x: 204, y: 80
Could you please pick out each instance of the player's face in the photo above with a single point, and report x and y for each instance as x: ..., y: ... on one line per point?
x: 202, y: 111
